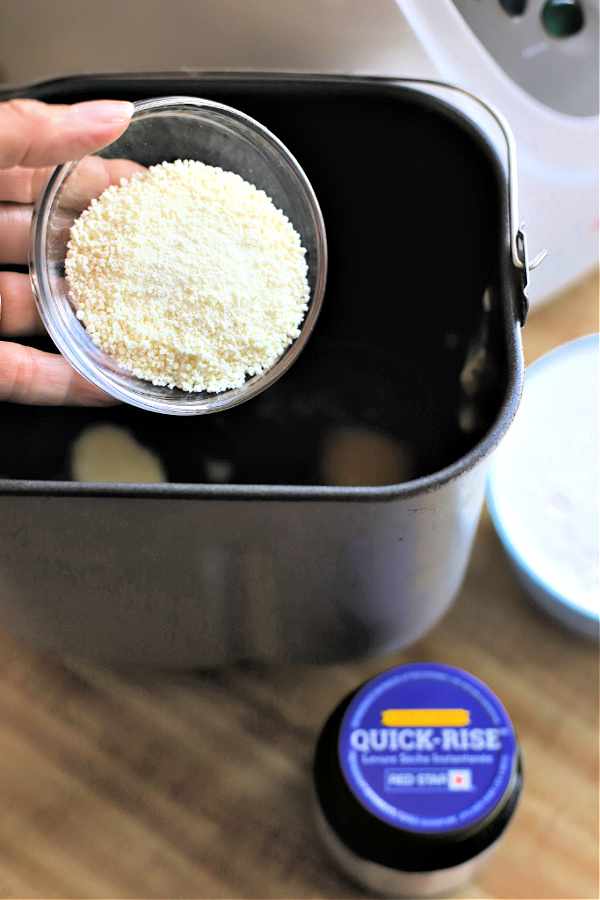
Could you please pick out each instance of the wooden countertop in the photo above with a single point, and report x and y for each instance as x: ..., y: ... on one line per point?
x: 120, y: 785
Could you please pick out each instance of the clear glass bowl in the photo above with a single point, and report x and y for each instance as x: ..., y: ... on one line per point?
x: 166, y: 129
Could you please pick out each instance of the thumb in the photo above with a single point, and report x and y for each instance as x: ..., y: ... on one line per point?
x: 39, y: 134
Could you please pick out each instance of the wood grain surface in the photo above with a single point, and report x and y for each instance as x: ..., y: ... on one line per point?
x: 128, y: 785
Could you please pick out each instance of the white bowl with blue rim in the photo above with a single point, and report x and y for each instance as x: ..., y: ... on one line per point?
x: 542, y: 489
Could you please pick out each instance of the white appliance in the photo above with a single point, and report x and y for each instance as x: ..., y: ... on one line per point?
x: 536, y: 61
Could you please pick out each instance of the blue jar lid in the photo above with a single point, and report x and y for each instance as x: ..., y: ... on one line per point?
x: 427, y: 748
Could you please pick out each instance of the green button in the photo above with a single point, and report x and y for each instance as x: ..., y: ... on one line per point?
x: 562, y: 18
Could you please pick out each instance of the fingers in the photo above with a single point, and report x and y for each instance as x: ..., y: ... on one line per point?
x: 32, y: 376
x: 92, y: 176
x: 19, y: 311
x: 15, y: 221
x: 19, y: 315
x: 22, y: 185
x: 88, y: 180
x: 40, y: 134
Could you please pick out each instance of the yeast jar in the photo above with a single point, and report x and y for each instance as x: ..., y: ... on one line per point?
x: 417, y: 775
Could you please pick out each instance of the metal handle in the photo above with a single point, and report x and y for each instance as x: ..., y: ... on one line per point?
x: 518, y: 243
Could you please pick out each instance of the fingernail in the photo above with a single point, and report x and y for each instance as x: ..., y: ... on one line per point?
x: 103, y: 112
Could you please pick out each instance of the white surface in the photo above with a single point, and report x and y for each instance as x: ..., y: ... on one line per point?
x: 44, y: 38
x: 543, y: 484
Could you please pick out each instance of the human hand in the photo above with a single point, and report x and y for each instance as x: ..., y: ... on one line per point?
x: 34, y: 137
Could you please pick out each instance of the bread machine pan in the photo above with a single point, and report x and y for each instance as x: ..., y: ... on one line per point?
x: 257, y: 546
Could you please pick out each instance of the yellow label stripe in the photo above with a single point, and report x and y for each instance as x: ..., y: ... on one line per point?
x: 434, y: 718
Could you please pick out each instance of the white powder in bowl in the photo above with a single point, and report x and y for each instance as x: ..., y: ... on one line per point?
x: 188, y: 276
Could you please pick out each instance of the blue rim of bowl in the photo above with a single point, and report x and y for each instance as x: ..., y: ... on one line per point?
x: 210, y: 402
x: 558, y: 605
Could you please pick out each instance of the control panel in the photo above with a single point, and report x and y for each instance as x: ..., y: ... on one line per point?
x: 548, y: 47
